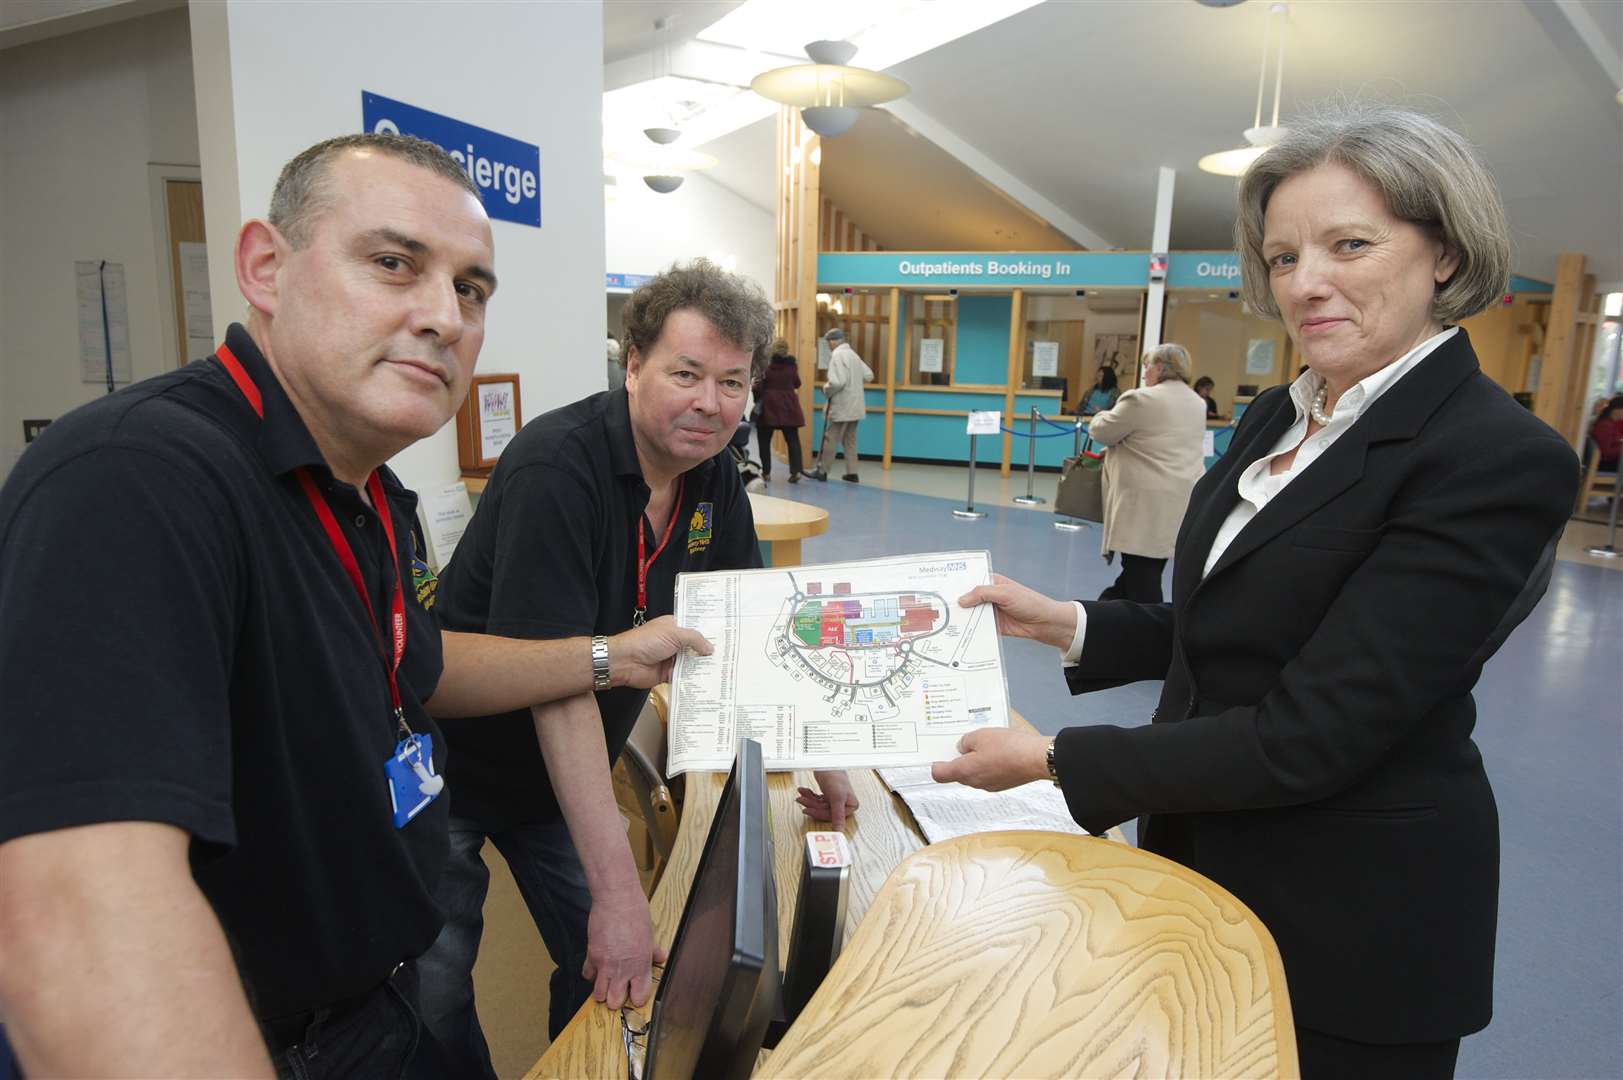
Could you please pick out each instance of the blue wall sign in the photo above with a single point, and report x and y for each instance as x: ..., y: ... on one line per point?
x: 506, y: 170
x: 1204, y: 270
x: 963, y: 269
x: 1064, y: 269
x: 626, y: 281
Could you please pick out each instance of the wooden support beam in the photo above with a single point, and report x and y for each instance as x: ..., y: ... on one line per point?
x: 890, y: 368
x: 1017, y: 328
x: 1560, y: 366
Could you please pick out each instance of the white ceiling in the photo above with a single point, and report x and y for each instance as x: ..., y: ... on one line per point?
x: 866, y: 169
x: 1082, y: 101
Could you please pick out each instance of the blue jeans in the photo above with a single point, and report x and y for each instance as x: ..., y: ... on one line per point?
x: 552, y: 881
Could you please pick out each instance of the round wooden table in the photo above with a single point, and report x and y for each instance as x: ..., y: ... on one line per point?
x: 784, y: 523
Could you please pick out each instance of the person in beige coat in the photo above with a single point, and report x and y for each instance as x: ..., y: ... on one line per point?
x: 1155, y: 434
x: 847, y: 405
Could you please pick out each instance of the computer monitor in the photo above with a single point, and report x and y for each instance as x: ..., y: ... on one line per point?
x: 1054, y: 382
x: 721, y: 984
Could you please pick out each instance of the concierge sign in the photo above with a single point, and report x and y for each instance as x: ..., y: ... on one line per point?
x: 506, y: 170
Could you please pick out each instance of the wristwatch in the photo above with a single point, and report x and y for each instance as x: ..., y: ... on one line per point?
x: 1053, y: 770
x: 600, y: 664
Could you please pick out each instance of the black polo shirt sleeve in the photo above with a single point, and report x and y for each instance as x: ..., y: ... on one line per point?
x: 116, y: 675
x: 549, y: 539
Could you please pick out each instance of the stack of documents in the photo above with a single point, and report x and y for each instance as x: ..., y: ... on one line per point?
x: 947, y: 810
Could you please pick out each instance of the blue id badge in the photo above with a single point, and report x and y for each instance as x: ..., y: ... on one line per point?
x: 413, y: 783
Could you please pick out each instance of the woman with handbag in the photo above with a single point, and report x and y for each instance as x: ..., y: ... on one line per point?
x: 777, y: 408
x: 1155, y: 434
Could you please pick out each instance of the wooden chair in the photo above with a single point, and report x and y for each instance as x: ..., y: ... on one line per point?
x: 1595, y: 482
x: 1046, y: 954
x: 644, y: 798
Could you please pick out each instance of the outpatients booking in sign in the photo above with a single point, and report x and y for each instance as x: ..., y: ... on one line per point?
x: 843, y: 664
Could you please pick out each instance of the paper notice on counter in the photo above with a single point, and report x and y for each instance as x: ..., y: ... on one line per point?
x: 944, y: 811
x: 445, y: 514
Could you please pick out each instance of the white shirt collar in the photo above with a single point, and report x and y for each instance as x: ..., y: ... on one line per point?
x: 1362, y: 395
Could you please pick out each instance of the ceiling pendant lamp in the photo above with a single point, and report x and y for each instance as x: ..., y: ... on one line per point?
x: 1258, y: 137
x: 828, y: 92
x: 662, y: 166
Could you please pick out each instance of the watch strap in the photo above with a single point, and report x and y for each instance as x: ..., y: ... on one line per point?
x: 600, y: 663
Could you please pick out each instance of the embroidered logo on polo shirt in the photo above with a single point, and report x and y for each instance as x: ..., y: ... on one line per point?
x: 699, y: 527
x: 423, y: 581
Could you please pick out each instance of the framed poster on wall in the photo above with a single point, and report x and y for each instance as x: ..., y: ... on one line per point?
x: 487, y: 421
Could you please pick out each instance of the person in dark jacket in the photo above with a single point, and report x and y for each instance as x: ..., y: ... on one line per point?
x: 777, y: 401
x: 1343, y: 573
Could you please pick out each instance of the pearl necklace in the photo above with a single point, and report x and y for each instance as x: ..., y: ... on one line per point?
x: 1316, y: 406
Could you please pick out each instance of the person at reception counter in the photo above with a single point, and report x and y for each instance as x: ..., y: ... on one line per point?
x: 1154, y: 434
x: 1342, y: 575
x: 1204, y: 386
x: 1104, y: 392
x: 220, y: 814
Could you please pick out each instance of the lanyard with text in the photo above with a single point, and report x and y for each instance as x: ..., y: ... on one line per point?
x: 340, y: 544
x: 394, y: 647
x: 640, y: 615
x: 413, y: 783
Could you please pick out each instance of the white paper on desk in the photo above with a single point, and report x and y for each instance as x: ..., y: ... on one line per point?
x: 1208, y: 444
x: 844, y: 665
x: 944, y: 811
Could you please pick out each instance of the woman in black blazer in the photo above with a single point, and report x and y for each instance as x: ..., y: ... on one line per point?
x: 1374, y: 532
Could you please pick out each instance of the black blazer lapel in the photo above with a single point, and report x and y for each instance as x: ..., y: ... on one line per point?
x: 1219, y: 491
x: 1399, y: 414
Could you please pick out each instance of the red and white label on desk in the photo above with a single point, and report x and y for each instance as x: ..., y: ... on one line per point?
x: 827, y: 849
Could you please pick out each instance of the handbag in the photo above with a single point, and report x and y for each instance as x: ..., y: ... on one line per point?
x: 1081, y: 486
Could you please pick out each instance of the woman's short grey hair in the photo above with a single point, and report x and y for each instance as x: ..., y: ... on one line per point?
x: 1428, y: 175
x: 734, y: 305
x: 302, y: 193
x: 1172, y: 360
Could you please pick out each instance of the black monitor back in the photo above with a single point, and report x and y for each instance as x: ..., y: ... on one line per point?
x: 721, y: 984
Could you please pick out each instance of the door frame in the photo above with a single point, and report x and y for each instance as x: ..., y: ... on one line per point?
x: 158, y: 175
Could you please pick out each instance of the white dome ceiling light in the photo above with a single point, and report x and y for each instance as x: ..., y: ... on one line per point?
x: 829, y: 93
x: 1258, y: 137
x: 662, y: 165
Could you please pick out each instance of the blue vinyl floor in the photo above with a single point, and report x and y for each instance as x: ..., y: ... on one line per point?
x: 1550, y: 727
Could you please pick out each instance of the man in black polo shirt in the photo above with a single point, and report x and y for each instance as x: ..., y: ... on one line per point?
x: 210, y: 655
x: 591, y: 513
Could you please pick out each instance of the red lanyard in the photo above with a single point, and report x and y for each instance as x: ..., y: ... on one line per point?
x: 640, y: 615
x: 340, y: 543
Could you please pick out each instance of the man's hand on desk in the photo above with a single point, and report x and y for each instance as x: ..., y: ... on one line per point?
x: 832, y: 802
x: 643, y: 657
x: 619, y: 946
x: 996, y: 759
x: 1025, y: 613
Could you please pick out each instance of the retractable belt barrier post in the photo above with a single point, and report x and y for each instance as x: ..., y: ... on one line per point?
x: 1031, y: 498
x: 1061, y: 522
x: 1608, y: 550
x: 969, y: 512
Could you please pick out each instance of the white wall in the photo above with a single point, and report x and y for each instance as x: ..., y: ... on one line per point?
x: 81, y: 116
x: 294, y: 72
x: 647, y: 232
